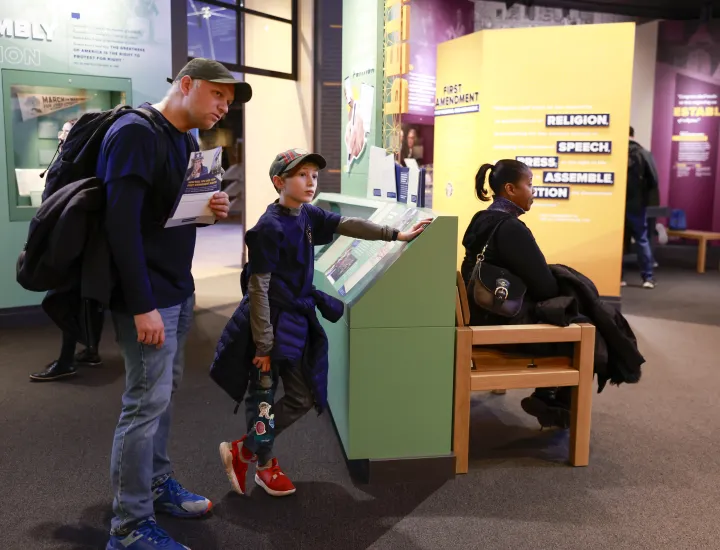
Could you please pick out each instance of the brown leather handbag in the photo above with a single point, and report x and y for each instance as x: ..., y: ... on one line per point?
x: 494, y: 288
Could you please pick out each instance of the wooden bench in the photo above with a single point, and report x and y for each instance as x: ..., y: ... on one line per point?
x: 702, y: 237
x: 479, y: 367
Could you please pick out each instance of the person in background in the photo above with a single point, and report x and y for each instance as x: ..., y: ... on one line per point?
x: 66, y: 364
x: 514, y: 248
x: 642, y: 185
x: 548, y: 287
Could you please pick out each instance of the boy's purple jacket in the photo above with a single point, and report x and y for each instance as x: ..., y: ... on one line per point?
x: 299, y: 338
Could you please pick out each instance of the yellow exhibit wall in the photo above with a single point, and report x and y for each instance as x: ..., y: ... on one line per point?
x: 507, y: 94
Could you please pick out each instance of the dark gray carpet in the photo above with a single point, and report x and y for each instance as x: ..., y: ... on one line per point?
x: 681, y: 294
x: 653, y: 481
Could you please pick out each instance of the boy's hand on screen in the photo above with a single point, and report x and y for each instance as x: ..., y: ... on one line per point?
x: 415, y: 231
x: 263, y: 363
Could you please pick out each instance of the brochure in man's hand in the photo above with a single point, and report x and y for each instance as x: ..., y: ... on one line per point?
x: 202, y: 181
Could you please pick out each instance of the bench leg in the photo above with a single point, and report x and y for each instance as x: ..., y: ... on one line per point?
x: 702, y: 255
x: 461, y: 412
x: 582, y: 399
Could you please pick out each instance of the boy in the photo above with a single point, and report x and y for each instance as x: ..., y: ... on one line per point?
x: 289, y: 342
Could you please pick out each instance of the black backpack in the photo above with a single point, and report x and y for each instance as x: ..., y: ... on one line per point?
x: 636, y: 166
x: 82, y: 146
x: 73, y: 172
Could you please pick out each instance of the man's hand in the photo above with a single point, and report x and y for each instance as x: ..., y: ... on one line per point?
x: 150, y: 328
x: 263, y: 363
x: 415, y: 231
x: 220, y: 205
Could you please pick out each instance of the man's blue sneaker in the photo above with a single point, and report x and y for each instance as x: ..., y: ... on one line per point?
x: 146, y: 536
x: 172, y: 498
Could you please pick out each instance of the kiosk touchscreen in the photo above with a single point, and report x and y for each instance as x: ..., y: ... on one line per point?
x: 350, y: 265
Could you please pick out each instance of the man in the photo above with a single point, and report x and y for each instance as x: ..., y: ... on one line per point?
x: 153, y: 304
x: 642, y: 184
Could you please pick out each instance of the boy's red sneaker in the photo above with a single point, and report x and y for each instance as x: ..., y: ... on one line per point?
x: 273, y: 480
x: 236, y: 459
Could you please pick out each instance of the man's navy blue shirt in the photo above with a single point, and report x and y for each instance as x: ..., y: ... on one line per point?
x: 154, y: 264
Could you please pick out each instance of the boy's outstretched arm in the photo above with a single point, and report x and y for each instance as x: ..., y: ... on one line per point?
x: 359, y: 228
x: 262, y: 330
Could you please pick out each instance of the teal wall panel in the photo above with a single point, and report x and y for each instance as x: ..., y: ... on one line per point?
x: 138, y: 48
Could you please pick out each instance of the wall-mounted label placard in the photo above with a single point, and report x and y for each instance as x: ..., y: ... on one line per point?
x: 562, y: 121
x: 585, y: 147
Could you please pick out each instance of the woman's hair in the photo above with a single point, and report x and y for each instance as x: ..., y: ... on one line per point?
x: 505, y: 171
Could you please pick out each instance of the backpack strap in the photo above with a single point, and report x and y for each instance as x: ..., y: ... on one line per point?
x: 481, y: 256
x: 161, y: 150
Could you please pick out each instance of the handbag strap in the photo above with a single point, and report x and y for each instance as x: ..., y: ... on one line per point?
x: 481, y: 256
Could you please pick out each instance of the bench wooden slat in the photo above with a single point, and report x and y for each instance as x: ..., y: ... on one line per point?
x: 461, y: 406
x: 512, y: 379
x: 489, y: 359
x: 694, y: 234
x: 459, y: 321
x: 464, y: 304
x: 582, y: 399
x: 524, y: 334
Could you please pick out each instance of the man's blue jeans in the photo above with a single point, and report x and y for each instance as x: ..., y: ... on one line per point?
x: 139, y: 456
x: 638, y: 227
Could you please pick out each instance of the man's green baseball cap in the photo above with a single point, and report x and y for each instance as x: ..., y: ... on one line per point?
x: 213, y: 71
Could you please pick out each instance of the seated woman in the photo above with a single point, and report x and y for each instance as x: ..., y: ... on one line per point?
x: 513, y: 247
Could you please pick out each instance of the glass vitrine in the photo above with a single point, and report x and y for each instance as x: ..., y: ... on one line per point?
x: 38, y: 109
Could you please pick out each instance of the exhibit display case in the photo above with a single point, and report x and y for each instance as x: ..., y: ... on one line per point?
x: 392, y: 353
x: 36, y: 106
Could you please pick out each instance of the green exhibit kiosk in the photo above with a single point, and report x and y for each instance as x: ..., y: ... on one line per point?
x: 391, y: 374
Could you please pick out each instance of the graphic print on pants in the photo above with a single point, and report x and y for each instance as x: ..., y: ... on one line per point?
x: 263, y: 423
